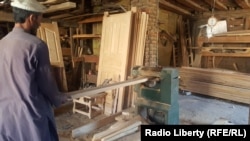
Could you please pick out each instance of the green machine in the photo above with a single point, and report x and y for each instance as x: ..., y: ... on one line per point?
x: 158, y: 97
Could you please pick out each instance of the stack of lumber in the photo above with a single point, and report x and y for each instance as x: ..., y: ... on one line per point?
x: 225, y: 84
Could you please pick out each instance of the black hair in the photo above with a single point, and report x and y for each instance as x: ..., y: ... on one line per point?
x: 20, y: 14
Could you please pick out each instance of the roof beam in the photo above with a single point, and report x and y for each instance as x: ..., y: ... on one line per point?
x: 216, y: 4
x: 243, y: 3
x: 168, y: 6
x: 192, y: 5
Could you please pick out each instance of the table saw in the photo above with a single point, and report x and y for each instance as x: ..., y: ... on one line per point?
x: 156, y: 89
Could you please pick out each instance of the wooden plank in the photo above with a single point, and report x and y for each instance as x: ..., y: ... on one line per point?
x: 225, y: 48
x: 224, y: 84
x: 132, y: 50
x: 99, y: 89
x: 206, y: 53
x: 184, y: 53
x: 86, y: 36
x: 234, y: 33
x: 60, y: 7
x: 223, y: 39
x: 140, y: 47
x: 216, y: 76
x: 85, y: 129
x: 61, y: 16
x: 91, y: 20
x: 216, y: 90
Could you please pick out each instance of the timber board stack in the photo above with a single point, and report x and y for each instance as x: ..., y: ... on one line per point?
x: 225, y: 84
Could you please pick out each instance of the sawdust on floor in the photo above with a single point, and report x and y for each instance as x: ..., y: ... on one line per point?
x: 193, y: 109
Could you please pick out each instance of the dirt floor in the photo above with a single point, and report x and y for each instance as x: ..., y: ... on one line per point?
x: 193, y: 110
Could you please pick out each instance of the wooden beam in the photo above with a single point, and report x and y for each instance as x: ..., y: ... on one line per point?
x: 223, y: 39
x: 99, y: 89
x: 65, y: 15
x: 60, y: 7
x: 243, y: 3
x: 222, y: 14
x: 168, y: 6
x: 86, y: 36
x: 216, y: 4
x: 82, y: 15
x: 7, y: 17
x: 206, y: 53
x: 192, y: 5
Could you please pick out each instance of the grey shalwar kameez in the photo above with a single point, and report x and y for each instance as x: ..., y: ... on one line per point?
x: 28, y: 91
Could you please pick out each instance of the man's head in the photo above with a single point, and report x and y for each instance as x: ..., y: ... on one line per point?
x: 28, y: 14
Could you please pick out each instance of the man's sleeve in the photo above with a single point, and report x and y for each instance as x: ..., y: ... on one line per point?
x: 46, y: 82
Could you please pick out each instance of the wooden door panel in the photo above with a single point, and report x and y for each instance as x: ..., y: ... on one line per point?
x: 49, y: 33
x: 115, y: 43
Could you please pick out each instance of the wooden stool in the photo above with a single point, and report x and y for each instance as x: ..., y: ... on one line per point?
x: 94, y: 102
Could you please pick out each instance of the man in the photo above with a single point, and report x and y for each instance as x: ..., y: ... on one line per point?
x: 27, y: 89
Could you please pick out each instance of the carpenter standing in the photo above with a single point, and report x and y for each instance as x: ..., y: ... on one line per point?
x: 28, y: 91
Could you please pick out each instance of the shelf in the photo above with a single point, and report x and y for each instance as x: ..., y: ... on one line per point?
x: 86, y: 36
x: 91, y: 20
x: 91, y: 58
